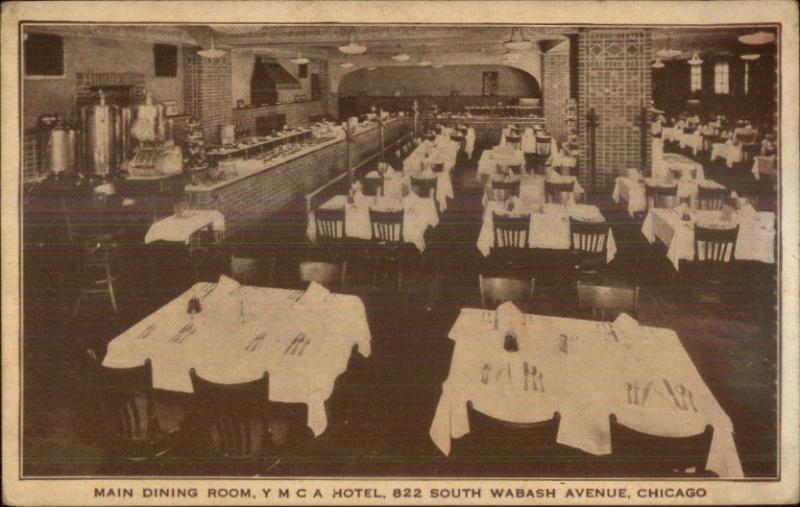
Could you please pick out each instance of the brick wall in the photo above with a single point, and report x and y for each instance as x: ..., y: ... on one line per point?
x: 251, y: 200
x: 615, y: 79
x: 207, y: 92
x: 555, y: 88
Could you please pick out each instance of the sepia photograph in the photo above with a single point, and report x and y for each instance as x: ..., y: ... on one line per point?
x: 291, y: 253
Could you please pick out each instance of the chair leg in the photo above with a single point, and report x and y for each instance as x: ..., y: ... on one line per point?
x: 112, y: 297
x: 399, y: 277
x: 77, y: 304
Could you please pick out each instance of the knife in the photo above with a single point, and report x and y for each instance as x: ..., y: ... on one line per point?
x: 672, y: 393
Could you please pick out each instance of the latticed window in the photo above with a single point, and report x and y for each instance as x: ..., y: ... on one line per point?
x: 722, y: 78
x: 695, y: 78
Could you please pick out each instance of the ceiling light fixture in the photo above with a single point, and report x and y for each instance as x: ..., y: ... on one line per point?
x: 402, y: 57
x: 668, y: 52
x: 695, y: 60
x: 757, y: 38
x: 372, y: 67
x: 425, y: 63
x: 511, y: 57
x: 750, y: 56
x: 300, y: 60
x: 211, y: 52
x: 352, y: 48
x: 658, y: 64
x: 518, y: 42
x: 346, y: 65
x: 237, y: 29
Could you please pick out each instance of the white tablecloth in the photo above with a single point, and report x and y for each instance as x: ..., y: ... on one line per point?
x: 181, y: 229
x: 549, y: 229
x: 231, y: 317
x: 531, y: 187
x: 693, y: 141
x: 420, y: 213
x: 428, y: 153
x: 633, y: 192
x: 671, y: 134
x: 732, y: 153
x: 756, y: 240
x: 675, y: 162
x: 393, y: 183
x: 487, y: 165
x: 528, y: 141
x: 585, y: 384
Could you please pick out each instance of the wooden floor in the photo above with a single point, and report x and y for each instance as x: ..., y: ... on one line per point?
x: 382, y: 407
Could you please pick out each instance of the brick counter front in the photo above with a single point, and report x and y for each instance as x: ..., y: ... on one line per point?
x: 251, y: 200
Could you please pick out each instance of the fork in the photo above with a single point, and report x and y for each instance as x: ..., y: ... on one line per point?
x: 253, y: 345
x: 185, y: 329
x: 144, y: 334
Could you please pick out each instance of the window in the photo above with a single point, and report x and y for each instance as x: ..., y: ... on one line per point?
x: 44, y: 55
x: 695, y: 78
x: 746, y: 78
x: 721, y: 78
x: 165, y: 57
x: 302, y: 71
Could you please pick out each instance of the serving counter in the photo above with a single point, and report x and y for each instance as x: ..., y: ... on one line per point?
x: 262, y: 187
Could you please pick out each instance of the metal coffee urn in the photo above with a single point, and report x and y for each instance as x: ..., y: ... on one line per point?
x: 101, y: 152
x: 57, y: 145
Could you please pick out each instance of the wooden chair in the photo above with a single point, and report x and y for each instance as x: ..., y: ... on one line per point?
x: 252, y: 271
x: 98, y: 273
x: 637, y: 454
x: 328, y: 274
x: 557, y: 192
x: 130, y: 415
x: 372, y: 186
x: 660, y: 197
x: 424, y: 187
x: 715, y: 246
x: 588, y: 243
x: 496, y: 291
x: 493, y: 443
x: 330, y: 224
x: 502, y: 190
x: 606, y: 303
x: 543, y: 145
x: 511, y: 232
x: 231, y: 418
x: 387, y: 234
x: 514, y: 141
x: 711, y: 198
x: 713, y: 269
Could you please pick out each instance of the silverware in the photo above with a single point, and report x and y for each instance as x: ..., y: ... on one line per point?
x: 691, y: 400
x: 541, y: 382
x: 485, y: 373
x: 533, y: 378
x: 295, y: 341
x: 253, y: 345
x: 144, y: 334
x: 525, y: 371
x: 303, y: 348
x: 672, y: 394
x: 646, y: 392
x: 628, y: 388
x: 177, y: 338
x: 636, y: 392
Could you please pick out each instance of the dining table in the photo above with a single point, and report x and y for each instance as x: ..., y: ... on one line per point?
x: 527, y: 139
x: 181, y: 226
x: 531, y: 188
x: 394, y: 181
x: 419, y: 214
x: 490, y: 159
x: 549, y: 224
x: 303, y: 339
x: 583, y: 370
x: 755, y: 241
x: 632, y: 191
x: 429, y: 153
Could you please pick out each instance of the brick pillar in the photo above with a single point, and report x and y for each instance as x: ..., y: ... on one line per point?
x: 207, y: 92
x: 555, y: 89
x: 614, y: 78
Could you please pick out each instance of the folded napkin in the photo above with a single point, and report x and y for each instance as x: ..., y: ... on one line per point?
x: 627, y: 329
x: 747, y: 211
x: 681, y: 208
x: 226, y: 285
x: 510, y: 318
x: 315, y: 294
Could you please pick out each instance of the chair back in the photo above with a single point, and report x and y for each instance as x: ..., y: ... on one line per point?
x: 496, y: 291
x: 330, y: 224
x: 638, y: 454
x: 493, y: 437
x: 127, y: 399
x: 715, y: 245
x: 386, y: 226
x: 590, y: 237
x: 501, y: 190
x: 511, y: 232
x: 711, y: 198
x: 543, y: 145
x: 514, y: 141
x: 328, y: 274
x: 557, y: 192
x: 605, y: 303
x: 372, y: 186
x: 424, y: 187
x: 253, y: 271
x: 660, y: 197
x: 514, y: 169
x: 437, y: 167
